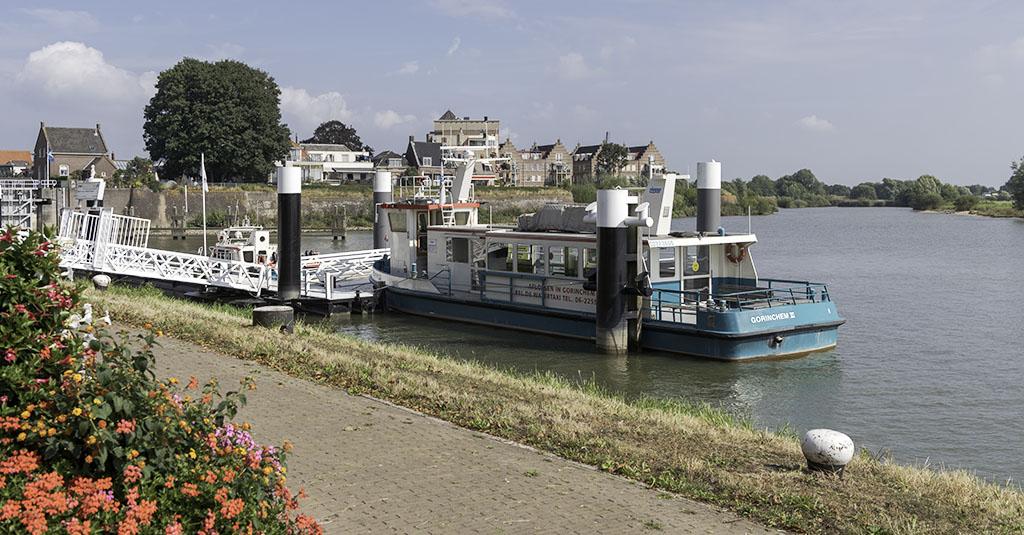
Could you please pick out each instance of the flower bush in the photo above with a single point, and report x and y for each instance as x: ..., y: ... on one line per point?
x: 92, y: 442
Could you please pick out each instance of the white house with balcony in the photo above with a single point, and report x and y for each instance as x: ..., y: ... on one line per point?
x: 335, y: 164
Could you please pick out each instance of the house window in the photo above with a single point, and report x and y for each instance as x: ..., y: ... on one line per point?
x: 427, y: 160
x: 394, y: 162
x: 64, y: 170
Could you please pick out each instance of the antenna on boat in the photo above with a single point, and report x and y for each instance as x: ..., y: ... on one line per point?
x: 748, y: 219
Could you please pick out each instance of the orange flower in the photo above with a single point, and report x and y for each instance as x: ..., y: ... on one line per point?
x: 231, y: 508
x: 132, y: 473
x: 190, y: 489
x: 21, y: 461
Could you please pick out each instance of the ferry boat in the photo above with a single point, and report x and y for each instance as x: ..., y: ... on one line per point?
x: 693, y: 293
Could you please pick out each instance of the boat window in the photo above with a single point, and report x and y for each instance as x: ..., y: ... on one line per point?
x: 589, y: 261
x: 458, y: 250
x: 695, y: 261
x: 499, y: 258
x: 564, y: 261
x: 421, y: 222
x: 397, y: 221
x: 461, y: 218
x: 247, y: 256
x: 523, y: 262
x: 436, y: 217
x: 667, y: 262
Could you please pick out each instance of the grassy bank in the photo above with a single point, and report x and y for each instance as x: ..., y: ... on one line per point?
x: 694, y: 451
x: 997, y: 209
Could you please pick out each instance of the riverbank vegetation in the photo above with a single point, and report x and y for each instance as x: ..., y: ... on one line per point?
x: 695, y: 451
x: 91, y: 442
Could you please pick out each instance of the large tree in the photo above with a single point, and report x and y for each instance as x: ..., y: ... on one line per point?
x: 138, y: 173
x: 1015, y: 186
x: 226, y: 110
x: 338, y: 133
x: 611, y: 158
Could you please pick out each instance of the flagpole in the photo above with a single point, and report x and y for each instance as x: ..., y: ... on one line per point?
x: 202, y: 171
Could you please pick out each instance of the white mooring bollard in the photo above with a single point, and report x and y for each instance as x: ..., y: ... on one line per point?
x: 101, y: 282
x: 827, y: 450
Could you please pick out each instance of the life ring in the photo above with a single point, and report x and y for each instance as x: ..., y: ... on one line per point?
x: 735, y: 253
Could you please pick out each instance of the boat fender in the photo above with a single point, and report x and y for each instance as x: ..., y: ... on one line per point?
x: 590, y: 283
x: 776, y: 340
x: 735, y: 254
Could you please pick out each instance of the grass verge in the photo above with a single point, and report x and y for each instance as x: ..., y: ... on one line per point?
x: 698, y: 452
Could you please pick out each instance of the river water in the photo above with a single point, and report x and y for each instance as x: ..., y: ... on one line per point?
x: 929, y: 365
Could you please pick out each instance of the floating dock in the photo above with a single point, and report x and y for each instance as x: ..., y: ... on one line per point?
x: 102, y: 242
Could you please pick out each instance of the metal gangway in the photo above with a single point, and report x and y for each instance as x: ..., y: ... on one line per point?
x: 118, y: 245
x: 18, y: 200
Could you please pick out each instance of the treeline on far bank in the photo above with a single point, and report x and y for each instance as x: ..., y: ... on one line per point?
x: 803, y: 190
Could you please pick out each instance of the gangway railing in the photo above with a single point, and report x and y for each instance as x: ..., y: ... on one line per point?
x: 348, y: 264
x: 18, y: 200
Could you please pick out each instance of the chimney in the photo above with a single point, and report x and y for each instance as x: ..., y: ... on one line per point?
x: 485, y: 118
x: 97, y: 127
x: 411, y: 138
x: 606, y: 136
x: 112, y: 156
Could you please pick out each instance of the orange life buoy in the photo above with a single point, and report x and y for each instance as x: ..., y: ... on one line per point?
x: 735, y: 253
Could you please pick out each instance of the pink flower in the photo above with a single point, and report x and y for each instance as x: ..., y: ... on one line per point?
x: 125, y: 427
x: 11, y: 355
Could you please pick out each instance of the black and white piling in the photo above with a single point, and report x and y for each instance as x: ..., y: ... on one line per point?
x: 709, y: 196
x: 289, y: 217
x: 612, y: 210
x: 381, y: 195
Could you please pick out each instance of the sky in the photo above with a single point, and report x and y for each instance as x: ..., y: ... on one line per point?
x: 854, y: 90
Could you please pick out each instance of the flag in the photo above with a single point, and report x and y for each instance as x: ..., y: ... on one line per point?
x: 202, y: 171
x: 49, y: 155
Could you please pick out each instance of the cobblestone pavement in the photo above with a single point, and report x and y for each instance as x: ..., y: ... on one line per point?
x: 371, y: 467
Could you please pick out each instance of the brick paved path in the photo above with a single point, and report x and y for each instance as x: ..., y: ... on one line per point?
x: 371, y: 467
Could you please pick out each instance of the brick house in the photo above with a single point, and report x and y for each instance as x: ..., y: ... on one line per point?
x: 70, y: 150
x: 640, y: 159
x: 450, y: 129
x: 538, y: 165
x: 424, y: 156
x: 390, y: 161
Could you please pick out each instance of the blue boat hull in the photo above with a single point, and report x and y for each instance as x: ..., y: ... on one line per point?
x: 739, y: 335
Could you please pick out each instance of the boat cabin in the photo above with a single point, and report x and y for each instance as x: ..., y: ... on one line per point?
x: 245, y: 243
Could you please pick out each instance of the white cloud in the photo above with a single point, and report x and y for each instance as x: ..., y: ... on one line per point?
x: 455, y: 45
x: 409, y: 67
x: 485, y: 9
x: 573, y: 66
x: 388, y: 118
x: 505, y: 133
x: 71, y: 69
x: 814, y: 123
x: 583, y: 113
x: 1000, y: 57
x: 304, y: 111
x: 225, y: 51
x: 620, y: 48
x: 80, y: 20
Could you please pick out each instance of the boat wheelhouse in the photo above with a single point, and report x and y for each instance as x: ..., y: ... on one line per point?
x: 693, y: 293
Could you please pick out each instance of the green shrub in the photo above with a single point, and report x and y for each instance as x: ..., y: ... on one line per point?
x: 965, y: 203
x: 92, y: 442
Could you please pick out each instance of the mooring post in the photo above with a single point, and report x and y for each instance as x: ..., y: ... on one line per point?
x: 709, y: 196
x: 289, y: 205
x: 611, y: 325
x: 381, y: 195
